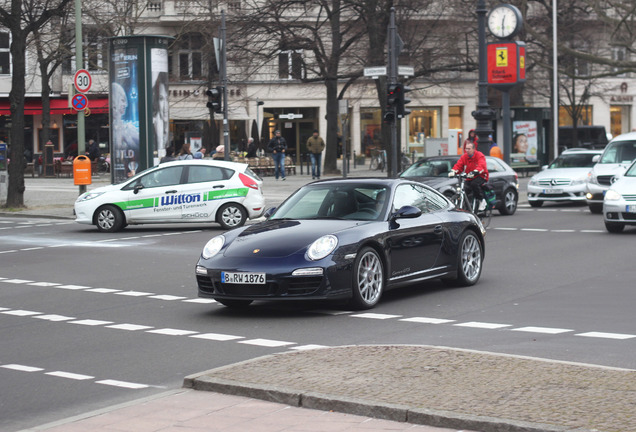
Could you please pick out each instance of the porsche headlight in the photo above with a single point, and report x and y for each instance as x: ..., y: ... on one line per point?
x: 322, y: 247
x: 89, y: 196
x: 612, y: 195
x: 213, y: 247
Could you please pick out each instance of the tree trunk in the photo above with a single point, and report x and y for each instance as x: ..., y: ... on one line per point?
x: 15, y: 192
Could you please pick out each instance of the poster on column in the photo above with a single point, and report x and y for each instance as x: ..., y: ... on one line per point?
x: 124, y: 112
x: 160, y: 107
x: 524, y: 142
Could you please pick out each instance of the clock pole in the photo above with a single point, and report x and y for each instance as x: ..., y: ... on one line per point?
x: 483, y: 114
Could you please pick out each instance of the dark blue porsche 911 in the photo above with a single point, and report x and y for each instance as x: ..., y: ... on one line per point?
x: 346, y: 239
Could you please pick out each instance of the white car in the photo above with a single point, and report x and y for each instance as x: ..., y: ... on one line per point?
x: 200, y: 191
x: 616, y: 157
x: 619, y: 205
x: 564, y: 179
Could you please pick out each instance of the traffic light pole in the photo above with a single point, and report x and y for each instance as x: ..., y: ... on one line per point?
x: 393, y: 69
x: 226, y: 125
x: 483, y: 114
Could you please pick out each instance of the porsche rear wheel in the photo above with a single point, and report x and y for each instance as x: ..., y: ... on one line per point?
x: 470, y: 258
x: 368, y: 279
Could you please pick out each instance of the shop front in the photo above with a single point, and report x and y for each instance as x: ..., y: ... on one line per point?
x: 296, y: 126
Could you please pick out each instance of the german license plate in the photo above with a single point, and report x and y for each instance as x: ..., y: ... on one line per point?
x: 243, y: 278
x: 552, y: 191
x: 630, y: 209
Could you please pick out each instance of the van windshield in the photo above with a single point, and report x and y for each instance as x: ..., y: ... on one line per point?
x: 619, y: 152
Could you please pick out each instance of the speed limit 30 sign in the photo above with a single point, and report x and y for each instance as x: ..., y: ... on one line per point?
x: 82, y: 80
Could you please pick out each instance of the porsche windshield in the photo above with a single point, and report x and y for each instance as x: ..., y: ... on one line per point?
x: 354, y: 202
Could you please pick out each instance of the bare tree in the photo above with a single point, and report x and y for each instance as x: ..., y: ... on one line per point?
x: 21, y: 18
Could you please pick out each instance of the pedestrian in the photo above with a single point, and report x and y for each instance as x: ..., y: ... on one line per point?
x: 315, y: 146
x: 472, y: 138
x: 93, y: 150
x: 200, y: 154
x: 185, y: 153
x: 495, y: 151
x: 251, y: 148
x: 169, y: 155
x: 219, y: 152
x: 277, y: 146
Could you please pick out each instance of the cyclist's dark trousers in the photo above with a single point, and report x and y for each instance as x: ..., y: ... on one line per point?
x: 475, y: 186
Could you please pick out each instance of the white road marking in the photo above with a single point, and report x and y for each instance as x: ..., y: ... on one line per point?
x: 134, y: 293
x: 375, y: 316
x: 91, y: 322
x: 546, y: 330
x: 619, y: 336
x: 72, y: 287
x: 535, y: 229
x: 54, y: 318
x: 482, y: 325
x: 44, y: 284
x: 20, y: 312
x: 266, y: 343
x: 129, y: 327
x: 200, y: 300
x: 8, y: 251
x: 563, y: 231
x: 102, y: 290
x: 122, y: 384
x: 32, y: 248
x: 70, y: 375
x: 167, y: 297
x: 172, y: 332
x: 22, y: 368
x: 216, y: 336
x: 425, y: 320
x: 17, y: 281
x: 592, y: 231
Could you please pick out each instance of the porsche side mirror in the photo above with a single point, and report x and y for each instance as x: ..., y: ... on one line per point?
x: 407, y: 212
x: 269, y: 212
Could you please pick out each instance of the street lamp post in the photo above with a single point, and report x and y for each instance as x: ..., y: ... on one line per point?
x: 483, y: 114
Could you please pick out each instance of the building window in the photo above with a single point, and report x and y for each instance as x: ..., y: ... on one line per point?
x: 424, y: 123
x: 95, y: 50
x: 620, y: 119
x: 188, y: 56
x: 291, y: 65
x: 584, y: 118
x: 455, y: 115
x: 5, y: 54
x: 619, y: 54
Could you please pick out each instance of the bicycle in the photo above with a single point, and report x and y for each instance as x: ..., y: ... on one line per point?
x: 103, y: 165
x: 378, y: 160
x: 462, y: 201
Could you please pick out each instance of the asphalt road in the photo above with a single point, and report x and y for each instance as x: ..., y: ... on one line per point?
x: 89, y: 320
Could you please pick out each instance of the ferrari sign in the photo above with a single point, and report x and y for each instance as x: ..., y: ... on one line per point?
x: 506, y: 64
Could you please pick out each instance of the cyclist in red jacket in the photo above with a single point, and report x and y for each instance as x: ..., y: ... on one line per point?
x: 473, y: 162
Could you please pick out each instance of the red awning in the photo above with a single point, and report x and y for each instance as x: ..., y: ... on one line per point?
x: 58, y: 106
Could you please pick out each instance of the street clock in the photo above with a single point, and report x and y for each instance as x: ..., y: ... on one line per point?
x: 505, y: 21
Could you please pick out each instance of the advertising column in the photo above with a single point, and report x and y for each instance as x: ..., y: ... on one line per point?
x: 139, y: 120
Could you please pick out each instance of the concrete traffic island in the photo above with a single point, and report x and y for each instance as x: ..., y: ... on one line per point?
x: 438, y: 386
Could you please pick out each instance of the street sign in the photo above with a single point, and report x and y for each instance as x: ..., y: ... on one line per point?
x: 374, y: 71
x: 79, y: 102
x: 407, y: 71
x: 82, y: 80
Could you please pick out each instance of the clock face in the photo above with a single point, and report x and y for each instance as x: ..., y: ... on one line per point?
x: 504, y: 21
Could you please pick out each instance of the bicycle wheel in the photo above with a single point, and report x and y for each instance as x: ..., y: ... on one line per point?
x: 465, y: 205
x: 484, y: 216
x: 373, y: 165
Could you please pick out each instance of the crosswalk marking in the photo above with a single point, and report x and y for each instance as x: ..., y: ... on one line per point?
x: 482, y: 325
x: 545, y: 330
x: 424, y: 320
x: 603, y: 335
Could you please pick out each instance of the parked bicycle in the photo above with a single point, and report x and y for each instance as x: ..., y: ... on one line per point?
x: 378, y: 160
x: 103, y: 165
x: 469, y: 203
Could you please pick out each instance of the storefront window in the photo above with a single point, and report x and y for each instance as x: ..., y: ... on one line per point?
x: 5, y: 56
x: 620, y: 116
x: 585, y: 117
x: 424, y: 123
x: 455, y: 114
x: 370, y: 130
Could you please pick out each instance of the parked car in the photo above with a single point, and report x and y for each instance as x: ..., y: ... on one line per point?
x: 198, y: 191
x: 433, y: 171
x: 564, y: 179
x: 619, y: 204
x: 617, y: 156
x: 348, y: 239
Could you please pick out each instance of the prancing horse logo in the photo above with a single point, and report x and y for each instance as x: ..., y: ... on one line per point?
x: 256, y: 251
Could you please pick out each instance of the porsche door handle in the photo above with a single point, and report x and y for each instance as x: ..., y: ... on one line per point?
x: 438, y: 230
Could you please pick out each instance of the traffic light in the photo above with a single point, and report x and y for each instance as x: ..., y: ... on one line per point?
x: 215, y: 99
x: 389, y: 116
x: 402, y: 100
x: 391, y: 96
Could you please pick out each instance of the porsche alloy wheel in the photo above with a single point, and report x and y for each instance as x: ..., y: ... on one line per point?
x: 231, y: 215
x: 470, y: 259
x: 368, y: 281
